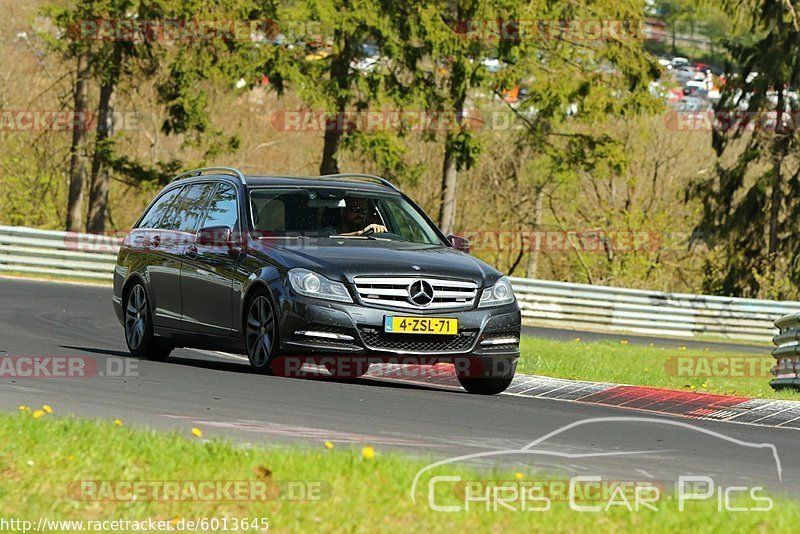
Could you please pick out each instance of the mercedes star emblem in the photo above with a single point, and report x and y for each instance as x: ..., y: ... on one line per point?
x: 420, y: 293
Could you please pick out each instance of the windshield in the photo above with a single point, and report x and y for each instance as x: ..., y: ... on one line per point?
x: 322, y: 212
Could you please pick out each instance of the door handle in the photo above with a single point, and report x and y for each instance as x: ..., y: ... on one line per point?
x: 191, y: 251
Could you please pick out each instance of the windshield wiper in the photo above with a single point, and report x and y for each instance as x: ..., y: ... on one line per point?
x: 362, y: 236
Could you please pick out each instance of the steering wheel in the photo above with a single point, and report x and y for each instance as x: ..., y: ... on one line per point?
x: 384, y: 235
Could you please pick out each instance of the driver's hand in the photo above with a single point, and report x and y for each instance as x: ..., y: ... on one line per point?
x: 376, y: 229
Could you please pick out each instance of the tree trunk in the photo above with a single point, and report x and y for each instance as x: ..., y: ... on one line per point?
x: 533, y: 257
x: 674, y: 49
x: 98, y: 195
x: 775, y: 197
x: 333, y: 137
x: 77, y: 162
x: 459, y: 82
x: 339, y: 74
x: 775, y: 204
x: 447, y: 208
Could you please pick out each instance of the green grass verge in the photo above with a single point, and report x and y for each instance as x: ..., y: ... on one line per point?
x: 674, y: 368
x: 41, y: 458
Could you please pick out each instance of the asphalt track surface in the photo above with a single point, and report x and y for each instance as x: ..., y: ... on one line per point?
x: 218, y: 393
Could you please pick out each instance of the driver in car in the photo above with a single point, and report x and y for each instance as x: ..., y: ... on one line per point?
x: 353, y: 218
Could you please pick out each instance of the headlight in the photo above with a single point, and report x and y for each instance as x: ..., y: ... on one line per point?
x: 497, y: 295
x: 315, y: 285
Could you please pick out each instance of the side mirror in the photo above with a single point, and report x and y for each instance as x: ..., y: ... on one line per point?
x: 215, y: 236
x: 459, y: 243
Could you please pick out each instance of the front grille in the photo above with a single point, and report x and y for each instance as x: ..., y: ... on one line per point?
x: 419, y: 343
x: 394, y: 292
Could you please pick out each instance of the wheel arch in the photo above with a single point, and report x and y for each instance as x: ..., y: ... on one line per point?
x: 268, y: 279
x: 129, y: 283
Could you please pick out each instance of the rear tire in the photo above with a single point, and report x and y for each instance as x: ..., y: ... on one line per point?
x: 139, y: 327
x: 260, y: 332
x: 491, y: 384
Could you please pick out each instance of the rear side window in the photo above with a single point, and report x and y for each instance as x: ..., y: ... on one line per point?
x: 156, y: 212
x: 223, y: 211
x: 191, y: 208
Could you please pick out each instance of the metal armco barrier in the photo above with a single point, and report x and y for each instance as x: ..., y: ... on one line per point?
x: 61, y: 254
x: 559, y: 304
x: 787, y: 352
x: 612, y: 309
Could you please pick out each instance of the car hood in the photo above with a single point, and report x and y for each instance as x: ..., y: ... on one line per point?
x: 344, y: 259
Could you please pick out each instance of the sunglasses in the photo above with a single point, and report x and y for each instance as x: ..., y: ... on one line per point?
x: 357, y: 209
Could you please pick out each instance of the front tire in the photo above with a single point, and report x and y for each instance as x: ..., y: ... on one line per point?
x: 139, y: 327
x: 260, y: 333
x: 492, y: 382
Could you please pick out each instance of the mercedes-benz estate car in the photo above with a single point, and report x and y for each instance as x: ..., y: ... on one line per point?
x: 287, y: 269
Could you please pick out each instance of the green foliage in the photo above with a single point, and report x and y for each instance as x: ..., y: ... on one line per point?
x: 750, y: 204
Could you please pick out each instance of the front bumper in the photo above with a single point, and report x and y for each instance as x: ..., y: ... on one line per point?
x: 313, y: 327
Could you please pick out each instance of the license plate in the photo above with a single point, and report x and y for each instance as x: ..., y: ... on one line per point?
x: 420, y: 325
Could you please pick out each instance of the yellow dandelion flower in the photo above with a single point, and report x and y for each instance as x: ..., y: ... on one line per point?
x: 328, y: 445
x: 117, y: 422
x: 37, y: 414
x: 197, y: 432
x: 577, y: 339
x: 368, y: 453
x: 519, y: 476
x: 47, y: 408
x: 24, y: 408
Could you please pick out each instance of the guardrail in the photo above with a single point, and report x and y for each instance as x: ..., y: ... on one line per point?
x: 60, y: 254
x: 612, y: 309
x: 548, y: 303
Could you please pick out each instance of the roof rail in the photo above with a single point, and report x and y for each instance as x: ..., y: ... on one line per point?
x: 218, y: 170
x: 371, y: 177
